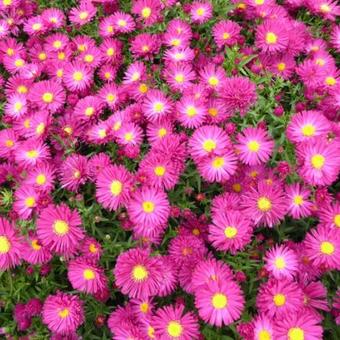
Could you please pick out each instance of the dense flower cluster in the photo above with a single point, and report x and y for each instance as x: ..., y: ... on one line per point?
x: 111, y: 112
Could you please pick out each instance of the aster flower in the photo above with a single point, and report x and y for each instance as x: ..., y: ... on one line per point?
x: 83, y: 14
x: 184, y: 248
x: 156, y: 106
x: 145, y: 45
x: 220, y: 303
x: 114, y: 187
x: 53, y: 17
x: 213, y: 77
x: 77, y: 76
x: 306, y: 125
x: 169, y: 279
x: 208, y: 140
x: 315, y: 297
x: 26, y: 201
x: 265, y: 204
x: 34, y: 253
x: 179, y: 76
x: 299, y: 204
x: 147, y: 10
x: 39, y: 124
x: 58, y: 229
x: 281, y: 262
x: 157, y: 131
x: 272, y: 35
x: 298, y: 326
x: 74, y: 172
x: 10, y: 245
x: 8, y: 141
x: 123, y: 22
x: 178, y: 33
x: 323, y: 247
x: 92, y: 57
x: 329, y: 215
x: 226, y: 33
x: 262, y: 327
x: 179, y: 55
x: 63, y: 313
x: 254, y: 146
x: 201, y: 11
x: 170, y: 322
x: 86, y: 277
x: 230, y: 231
x: 148, y: 206
x: 210, y: 270
x: 137, y: 274
x: 277, y: 298
x: 109, y: 94
x: 320, y: 162
x: 91, y: 249
x: 16, y: 106
x: 238, y: 94
x: 130, y: 134
x: 190, y: 112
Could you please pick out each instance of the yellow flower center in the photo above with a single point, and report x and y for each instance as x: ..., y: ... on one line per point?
x: 280, y: 263
x: 30, y: 202
x: 158, y: 107
x: 40, y: 128
x: 110, y: 97
x: 121, y: 23
x: 68, y: 130
x: 60, y: 73
x: 200, y: 11
x: 110, y: 52
x: 264, y: 204
x: 77, y: 174
x: 191, y: 111
x: 162, y: 132
x: 35, y: 245
x: 145, y: 48
x: 18, y: 106
x: 9, y: 143
x: 264, y: 335
x: 320, y: 62
x: 42, y: 56
x: 253, y: 146
x: 174, y: 329
x: 213, y: 81
x: 128, y: 136
x: 92, y: 248
x: 36, y: 26
x: 89, y: 58
x: 308, y: 130
x: 219, y: 301
x: 271, y: 38
x: 78, y: 76
x: 327, y: 248
x: 159, y: 171
x: 209, y: 145
x: 146, y: 12
x: 64, y: 313
x: 331, y: 81
x: 61, y: 55
x: 298, y: 200
x: 102, y: 133
x: 179, y: 78
x: 57, y: 44
x: 139, y: 273
x: 218, y: 162
x: 324, y: 8
x: 83, y: 15
x: 196, y: 231
x: 213, y: 112
x: 336, y: 220
x: 22, y: 89
x: 89, y: 274
x: 135, y: 76
x: 19, y: 63
x: 279, y: 300
x: 89, y: 111
x: 296, y: 333
x: 175, y: 42
x: 148, y: 207
x: 10, y: 51
x: 230, y: 232
x: 41, y: 179
x: 237, y: 187
x: 5, y: 245
x: 259, y: 2
x: 143, y: 88
x: 116, y: 187
x: 151, y: 332
x: 60, y: 227
x: 226, y: 35
x: 318, y: 161
x: 7, y: 2
x: 144, y: 307
x: 281, y: 66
